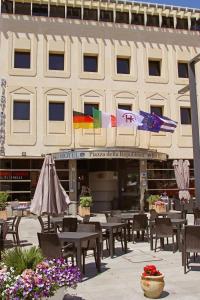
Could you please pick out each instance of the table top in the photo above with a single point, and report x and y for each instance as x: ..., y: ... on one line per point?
x: 112, y: 225
x: 166, y: 213
x: 21, y: 207
x: 174, y: 221
x: 77, y: 236
x: 57, y: 219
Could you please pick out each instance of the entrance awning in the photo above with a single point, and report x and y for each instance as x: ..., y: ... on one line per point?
x: 109, y: 153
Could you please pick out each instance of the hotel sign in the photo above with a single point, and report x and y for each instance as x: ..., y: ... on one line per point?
x: 106, y: 154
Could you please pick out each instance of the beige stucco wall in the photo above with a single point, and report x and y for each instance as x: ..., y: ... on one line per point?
x: 74, y: 87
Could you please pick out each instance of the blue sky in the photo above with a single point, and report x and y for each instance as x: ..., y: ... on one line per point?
x: 186, y: 3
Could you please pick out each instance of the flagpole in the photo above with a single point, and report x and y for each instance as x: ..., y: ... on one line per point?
x: 94, y: 135
x: 74, y: 138
x: 116, y: 128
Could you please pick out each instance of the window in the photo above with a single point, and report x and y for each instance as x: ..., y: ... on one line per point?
x: 40, y: 10
x: 152, y: 20
x: 7, y: 7
x: 125, y: 106
x: 90, y: 63
x: 122, y: 17
x: 106, y: 15
x: 167, y: 22
x: 123, y: 65
x: 57, y: 11
x: 185, y: 116
x: 88, y: 108
x: 22, y: 59
x: 137, y: 19
x: 181, y: 23
x: 195, y: 24
x: 56, y: 61
x: 22, y: 8
x: 90, y: 14
x: 73, y: 12
x: 158, y: 110
x: 21, y: 110
x: 182, y: 70
x: 154, y: 68
x: 56, y: 111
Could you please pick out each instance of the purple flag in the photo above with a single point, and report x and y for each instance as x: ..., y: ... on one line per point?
x: 168, y: 125
x: 150, y: 122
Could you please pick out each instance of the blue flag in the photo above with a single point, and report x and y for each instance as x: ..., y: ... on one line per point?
x: 150, y: 122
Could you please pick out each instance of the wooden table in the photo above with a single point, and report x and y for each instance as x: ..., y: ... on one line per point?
x: 77, y: 238
x: 177, y: 224
x: 110, y: 227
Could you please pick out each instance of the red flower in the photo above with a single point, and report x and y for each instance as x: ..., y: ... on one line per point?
x: 150, y: 270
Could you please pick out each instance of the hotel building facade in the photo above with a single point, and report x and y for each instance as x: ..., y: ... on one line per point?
x: 57, y: 56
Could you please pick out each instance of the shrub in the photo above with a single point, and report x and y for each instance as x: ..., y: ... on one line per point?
x: 3, y: 200
x: 22, y: 259
x: 85, y: 201
x: 153, y: 198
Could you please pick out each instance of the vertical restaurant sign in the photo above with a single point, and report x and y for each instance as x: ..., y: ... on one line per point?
x: 2, y: 116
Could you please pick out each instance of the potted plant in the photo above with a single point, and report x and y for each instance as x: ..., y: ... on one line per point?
x: 85, y: 204
x: 39, y: 278
x: 160, y: 206
x: 151, y: 200
x: 152, y: 282
x: 3, y: 203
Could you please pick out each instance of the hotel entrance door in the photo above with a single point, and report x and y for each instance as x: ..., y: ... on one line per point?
x: 129, y: 184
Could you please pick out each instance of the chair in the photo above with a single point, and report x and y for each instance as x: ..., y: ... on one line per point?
x: 69, y: 224
x: 140, y: 223
x: 115, y: 212
x: 14, y: 230
x: 191, y: 243
x: 86, y: 218
x: 197, y: 221
x: 88, y: 245
x: 45, y: 226
x: 3, y: 232
x: 177, y: 204
x: 51, y: 246
x: 117, y: 233
x: 103, y: 235
x: 196, y: 212
x: 153, y: 214
x: 164, y: 229
x: 13, y: 205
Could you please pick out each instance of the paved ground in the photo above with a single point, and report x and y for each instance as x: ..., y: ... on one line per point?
x: 120, y: 278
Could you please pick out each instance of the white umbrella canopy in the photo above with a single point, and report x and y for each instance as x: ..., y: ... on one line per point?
x: 50, y: 197
x: 181, y: 170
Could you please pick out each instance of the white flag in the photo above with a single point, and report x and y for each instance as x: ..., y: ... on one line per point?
x: 128, y: 118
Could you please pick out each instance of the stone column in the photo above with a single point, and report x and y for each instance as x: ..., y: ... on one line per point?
x: 143, y: 182
x: 73, y: 187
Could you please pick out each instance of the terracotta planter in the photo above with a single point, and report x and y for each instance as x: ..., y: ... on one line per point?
x: 160, y: 208
x: 83, y: 211
x: 3, y: 214
x: 151, y: 206
x: 152, y: 285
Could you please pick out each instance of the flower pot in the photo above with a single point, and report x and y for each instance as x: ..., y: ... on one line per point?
x: 3, y: 214
x: 151, y: 206
x: 83, y: 211
x: 152, y: 285
x: 160, y: 208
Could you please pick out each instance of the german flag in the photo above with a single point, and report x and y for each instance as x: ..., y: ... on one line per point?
x: 81, y: 120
